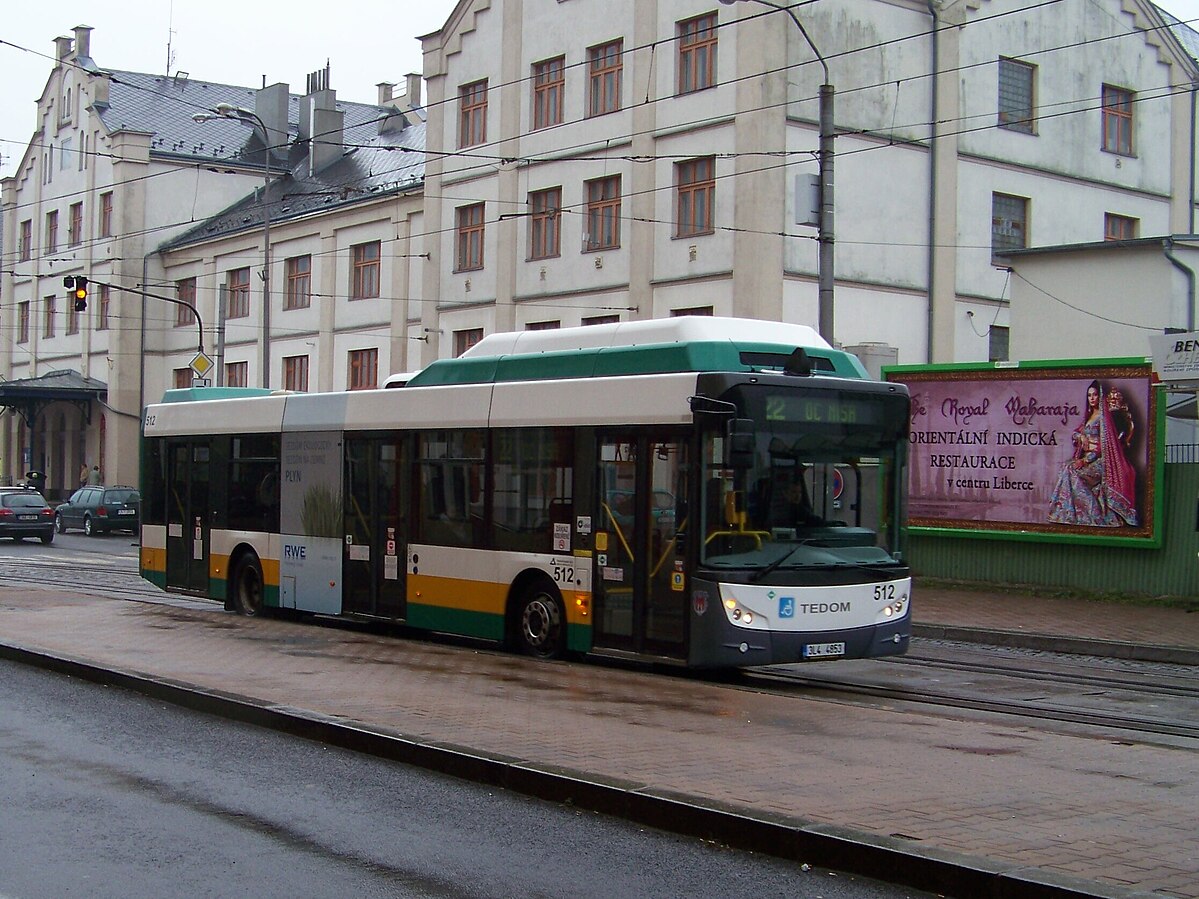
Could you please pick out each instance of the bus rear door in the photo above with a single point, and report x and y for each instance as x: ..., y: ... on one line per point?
x: 376, y: 498
x: 188, y: 510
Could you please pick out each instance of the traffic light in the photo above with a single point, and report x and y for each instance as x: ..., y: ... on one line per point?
x: 77, y: 286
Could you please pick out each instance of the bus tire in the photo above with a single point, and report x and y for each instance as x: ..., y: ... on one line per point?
x: 541, y: 622
x: 246, y: 586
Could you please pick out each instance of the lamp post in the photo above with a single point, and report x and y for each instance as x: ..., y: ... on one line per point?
x: 824, y: 158
x: 237, y: 113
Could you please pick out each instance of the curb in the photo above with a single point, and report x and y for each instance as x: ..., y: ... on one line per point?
x: 888, y: 859
x: 1141, y: 652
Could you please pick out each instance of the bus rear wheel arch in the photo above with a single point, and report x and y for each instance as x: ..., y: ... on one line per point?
x: 246, y: 586
x: 538, y: 622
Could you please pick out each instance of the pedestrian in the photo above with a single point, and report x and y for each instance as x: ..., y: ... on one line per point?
x: 94, y: 477
x: 83, y: 475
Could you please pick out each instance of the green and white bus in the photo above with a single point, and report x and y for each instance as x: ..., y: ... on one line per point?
x: 703, y: 491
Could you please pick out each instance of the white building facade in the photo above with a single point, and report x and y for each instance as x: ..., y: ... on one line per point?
x: 643, y: 159
x: 122, y: 186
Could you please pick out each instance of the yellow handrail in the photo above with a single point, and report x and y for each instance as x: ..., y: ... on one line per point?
x: 619, y: 532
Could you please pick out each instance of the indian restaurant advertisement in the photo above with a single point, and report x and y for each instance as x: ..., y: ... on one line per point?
x: 1050, y: 450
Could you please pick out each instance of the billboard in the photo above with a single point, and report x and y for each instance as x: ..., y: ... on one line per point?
x: 1065, y: 450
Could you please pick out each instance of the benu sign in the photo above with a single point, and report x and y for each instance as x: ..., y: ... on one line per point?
x: 1176, y: 357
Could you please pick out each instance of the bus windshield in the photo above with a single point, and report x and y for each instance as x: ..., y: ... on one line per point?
x: 821, y: 488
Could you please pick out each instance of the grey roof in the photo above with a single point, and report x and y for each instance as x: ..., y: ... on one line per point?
x: 1186, y: 35
x: 373, y: 163
x: 64, y: 380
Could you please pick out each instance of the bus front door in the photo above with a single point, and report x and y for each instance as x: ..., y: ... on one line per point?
x: 188, y: 509
x: 640, y: 551
x: 376, y: 497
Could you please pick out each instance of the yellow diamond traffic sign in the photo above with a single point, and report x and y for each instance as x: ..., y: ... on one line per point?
x: 201, y: 364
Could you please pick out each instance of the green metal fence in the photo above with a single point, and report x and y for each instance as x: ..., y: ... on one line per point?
x: 1172, y: 570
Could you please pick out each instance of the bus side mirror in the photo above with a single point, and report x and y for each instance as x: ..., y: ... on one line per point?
x: 740, y: 441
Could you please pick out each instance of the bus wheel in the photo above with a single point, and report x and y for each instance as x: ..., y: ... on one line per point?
x: 246, y: 586
x: 541, y: 623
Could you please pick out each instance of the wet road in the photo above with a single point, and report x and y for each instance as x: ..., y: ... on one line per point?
x: 109, y: 794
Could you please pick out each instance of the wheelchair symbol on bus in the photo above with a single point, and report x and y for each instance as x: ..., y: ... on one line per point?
x: 786, y: 607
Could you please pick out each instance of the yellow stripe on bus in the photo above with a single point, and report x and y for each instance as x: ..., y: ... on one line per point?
x: 484, y: 596
x: 218, y: 569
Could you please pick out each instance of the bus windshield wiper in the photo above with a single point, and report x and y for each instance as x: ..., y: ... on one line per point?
x: 773, y: 566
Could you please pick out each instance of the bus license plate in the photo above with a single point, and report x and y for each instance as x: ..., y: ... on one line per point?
x: 823, y: 650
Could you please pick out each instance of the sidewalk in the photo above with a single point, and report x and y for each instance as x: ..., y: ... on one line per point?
x: 1089, y: 627
x: 965, y: 806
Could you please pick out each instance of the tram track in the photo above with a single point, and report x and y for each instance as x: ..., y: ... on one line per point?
x: 1031, y: 686
x: 1046, y: 708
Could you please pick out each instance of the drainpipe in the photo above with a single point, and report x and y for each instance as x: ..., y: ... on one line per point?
x: 141, y: 384
x: 1191, y: 198
x: 932, y: 173
x: 1189, y: 274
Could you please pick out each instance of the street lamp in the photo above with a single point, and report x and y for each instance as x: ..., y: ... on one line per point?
x: 249, y: 117
x: 824, y: 157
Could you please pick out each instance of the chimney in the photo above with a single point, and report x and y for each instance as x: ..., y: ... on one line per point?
x: 326, y: 147
x: 317, y: 93
x: 83, y: 41
x: 62, y: 47
x: 270, y: 105
x: 386, y: 89
x: 100, y: 84
x: 412, y: 92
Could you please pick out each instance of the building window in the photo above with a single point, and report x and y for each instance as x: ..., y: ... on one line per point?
x: 50, y: 309
x: 106, y: 214
x: 72, y: 317
x: 237, y: 374
x: 1117, y: 120
x: 603, y: 214
x: 692, y: 310
x: 1009, y: 223
x: 23, y: 322
x: 185, y: 291
x: 1016, y: 95
x: 102, y: 308
x: 696, y: 180
x: 26, y: 249
x: 470, y: 238
x: 472, y: 119
x: 364, y: 280
x: 997, y: 349
x: 1120, y: 227
x: 544, y: 326
x: 295, y: 373
x: 75, y: 225
x: 183, y: 378
x: 544, y: 217
x: 299, y: 282
x: 605, y: 67
x: 549, y: 84
x: 238, y: 302
x: 464, y: 340
x: 364, y: 369
x: 697, y: 53
x: 51, y: 231
x: 601, y: 319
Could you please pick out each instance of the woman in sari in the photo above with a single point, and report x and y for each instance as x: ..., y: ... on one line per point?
x: 1097, y: 487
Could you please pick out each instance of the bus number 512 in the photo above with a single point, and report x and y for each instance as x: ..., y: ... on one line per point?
x: 564, y: 574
